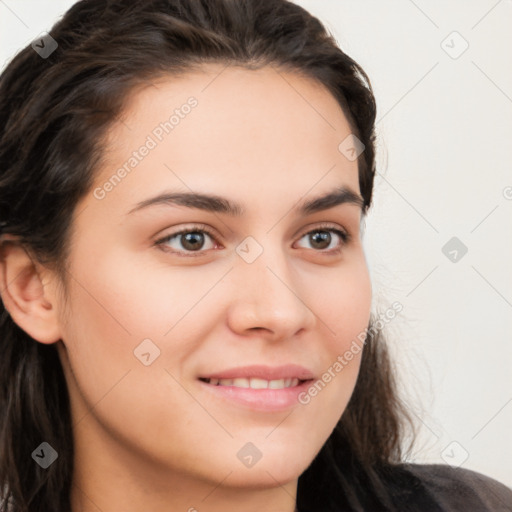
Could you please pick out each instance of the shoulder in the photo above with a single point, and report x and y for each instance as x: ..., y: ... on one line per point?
x: 450, y: 489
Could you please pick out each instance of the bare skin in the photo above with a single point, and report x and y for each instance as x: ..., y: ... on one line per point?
x: 151, y: 437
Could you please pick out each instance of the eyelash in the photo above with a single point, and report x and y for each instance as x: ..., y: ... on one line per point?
x: 201, y: 228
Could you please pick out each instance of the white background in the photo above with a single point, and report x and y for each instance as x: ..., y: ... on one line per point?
x: 444, y: 164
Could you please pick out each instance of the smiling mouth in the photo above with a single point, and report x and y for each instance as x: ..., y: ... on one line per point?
x: 255, y: 383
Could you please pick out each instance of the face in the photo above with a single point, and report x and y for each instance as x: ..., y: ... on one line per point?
x: 151, y: 313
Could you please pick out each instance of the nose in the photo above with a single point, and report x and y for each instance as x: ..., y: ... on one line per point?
x: 268, y: 298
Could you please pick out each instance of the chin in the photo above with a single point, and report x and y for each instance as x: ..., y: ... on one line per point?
x: 271, y: 471
x: 264, y: 477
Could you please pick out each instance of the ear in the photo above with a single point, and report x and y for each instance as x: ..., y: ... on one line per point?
x: 27, y: 293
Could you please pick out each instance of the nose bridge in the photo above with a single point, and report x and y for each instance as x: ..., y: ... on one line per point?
x: 264, y: 261
x: 270, y: 297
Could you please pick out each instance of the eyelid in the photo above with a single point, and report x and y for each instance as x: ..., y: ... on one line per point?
x: 323, y: 225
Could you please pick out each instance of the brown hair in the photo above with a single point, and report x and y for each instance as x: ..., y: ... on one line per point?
x: 54, y: 112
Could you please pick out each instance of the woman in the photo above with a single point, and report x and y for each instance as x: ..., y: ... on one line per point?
x: 186, y: 315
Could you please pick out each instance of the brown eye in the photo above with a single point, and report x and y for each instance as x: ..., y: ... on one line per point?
x: 320, y: 239
x: 191, y: 241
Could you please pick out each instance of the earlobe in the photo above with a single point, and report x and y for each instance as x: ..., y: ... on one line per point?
x: 24, y: 295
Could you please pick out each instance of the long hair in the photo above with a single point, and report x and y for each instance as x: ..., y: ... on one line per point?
x: 54, y: 112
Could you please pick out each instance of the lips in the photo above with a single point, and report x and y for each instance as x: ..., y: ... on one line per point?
x: 258, y: 387
x: 261, y: 389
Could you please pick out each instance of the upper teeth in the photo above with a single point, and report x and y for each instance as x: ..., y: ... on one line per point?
x: 255, y: 383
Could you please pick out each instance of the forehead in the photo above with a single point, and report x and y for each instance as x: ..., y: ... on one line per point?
x: 226, y: 128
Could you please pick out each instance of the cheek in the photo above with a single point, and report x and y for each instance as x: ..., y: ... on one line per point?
x: 344, y: 307
x: 126, y: 298
x: 124, y: 309
x: 342, y: 302
x: 143, y: 406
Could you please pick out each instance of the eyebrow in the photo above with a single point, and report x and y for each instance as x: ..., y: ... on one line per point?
x: 214, y: 203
